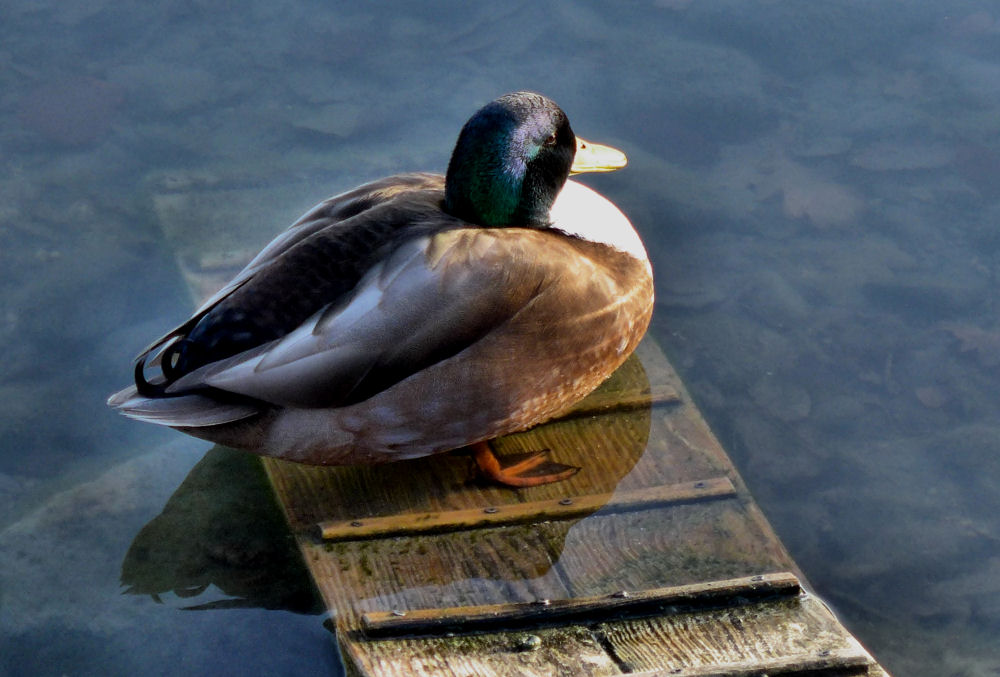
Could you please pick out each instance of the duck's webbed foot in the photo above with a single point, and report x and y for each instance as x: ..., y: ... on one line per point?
x: 520, y: 470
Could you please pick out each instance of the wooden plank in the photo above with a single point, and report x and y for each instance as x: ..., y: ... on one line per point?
x: 542, y: 653
x: 683, y: 544
x: 577, y: 610
x: 773, y: 635
x: 840, y: 663
x: 534, y: 511
x: 780, y: 634
x: 313, y: 494
x: 476, y: 567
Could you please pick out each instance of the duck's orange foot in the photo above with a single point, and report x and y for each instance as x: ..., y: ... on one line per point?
x: 520, y: 470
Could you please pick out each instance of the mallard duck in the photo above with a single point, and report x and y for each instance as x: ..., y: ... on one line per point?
x: 418, y: 313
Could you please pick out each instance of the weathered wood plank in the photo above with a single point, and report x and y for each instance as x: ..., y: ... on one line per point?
x: 726, y: 641
x: 839, y: 663
x: 484, y: 566
x: 578, y: 610
x: 683, y: 544
x: 441, y: 483
x: 534, y: 511
x: 542, y: 653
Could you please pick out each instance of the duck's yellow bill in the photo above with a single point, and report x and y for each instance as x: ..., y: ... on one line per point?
x: 593, y: 157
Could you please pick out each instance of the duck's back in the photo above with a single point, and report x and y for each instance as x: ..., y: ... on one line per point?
x: 314, y: 264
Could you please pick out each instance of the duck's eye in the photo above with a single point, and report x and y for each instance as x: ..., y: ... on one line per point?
x: 551, y: 141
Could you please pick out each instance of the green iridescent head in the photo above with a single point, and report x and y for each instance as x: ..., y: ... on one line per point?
x: 511, y: 160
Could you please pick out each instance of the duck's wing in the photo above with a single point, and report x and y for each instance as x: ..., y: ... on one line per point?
x: 329, y: 214
x: 433, y: 297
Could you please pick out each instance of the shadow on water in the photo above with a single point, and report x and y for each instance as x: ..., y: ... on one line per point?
x: 222, y: 528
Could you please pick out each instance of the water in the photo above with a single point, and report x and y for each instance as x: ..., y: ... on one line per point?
x: 816, y: 183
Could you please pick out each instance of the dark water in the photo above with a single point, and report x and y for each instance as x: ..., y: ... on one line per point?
x: 818, y: 185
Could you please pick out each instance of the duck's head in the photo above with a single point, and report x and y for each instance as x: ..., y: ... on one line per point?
x: 513, y: 157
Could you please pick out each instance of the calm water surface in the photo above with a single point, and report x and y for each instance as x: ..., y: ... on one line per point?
x: 818, y: 185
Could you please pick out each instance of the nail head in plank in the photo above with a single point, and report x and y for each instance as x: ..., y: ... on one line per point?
x: 583, y: 609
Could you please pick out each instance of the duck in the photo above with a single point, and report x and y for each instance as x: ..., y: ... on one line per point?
x: 418, y: 313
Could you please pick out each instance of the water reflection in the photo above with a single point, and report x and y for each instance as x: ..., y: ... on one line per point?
x: 221, y: 528
x: 849, y: 366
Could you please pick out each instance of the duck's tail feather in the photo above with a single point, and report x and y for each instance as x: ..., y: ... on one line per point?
x: 184, y: 411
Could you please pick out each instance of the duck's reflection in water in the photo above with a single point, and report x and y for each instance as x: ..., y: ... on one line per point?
x: 221, y: 528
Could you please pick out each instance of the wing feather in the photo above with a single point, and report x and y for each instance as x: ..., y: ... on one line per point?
x: 329, y: 214
x: 434, y: 297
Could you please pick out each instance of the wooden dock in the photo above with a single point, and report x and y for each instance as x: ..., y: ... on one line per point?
x: 652, y: 560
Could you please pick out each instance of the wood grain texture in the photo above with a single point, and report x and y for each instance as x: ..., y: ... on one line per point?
x: 762, y: 634
x: 685, y: 544
x: 841, y: 663
x: 580, y: 609
x: 519, y: 513
x: 559, y: 652
x: 485, y: 566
